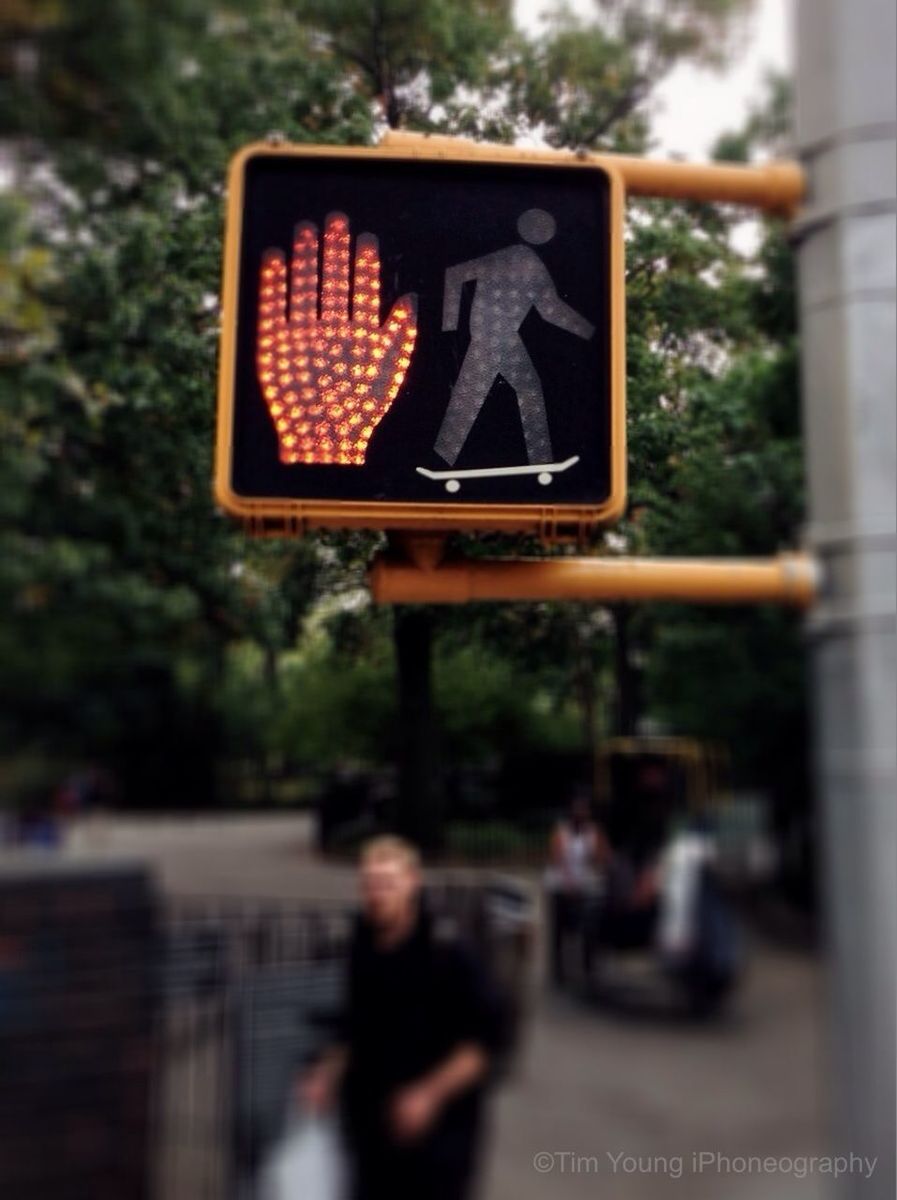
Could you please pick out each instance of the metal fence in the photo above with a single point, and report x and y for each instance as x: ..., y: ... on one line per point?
x: 247, y: 992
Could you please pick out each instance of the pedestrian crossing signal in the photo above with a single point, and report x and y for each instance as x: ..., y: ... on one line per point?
x: 421, y: 342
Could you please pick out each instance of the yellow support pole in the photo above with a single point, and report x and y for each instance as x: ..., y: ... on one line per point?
x: 775, y: 186
x: 790, y: 579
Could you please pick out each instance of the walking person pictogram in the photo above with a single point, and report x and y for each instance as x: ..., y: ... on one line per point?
x: 509, y: 283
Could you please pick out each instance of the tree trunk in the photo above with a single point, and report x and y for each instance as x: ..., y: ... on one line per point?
x: 419, y: 813
x: 626, y: 676
x: 587, y: 694
x: 392, y: 109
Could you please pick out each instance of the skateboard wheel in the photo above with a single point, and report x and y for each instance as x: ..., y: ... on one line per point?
x: 545, y: 478
x: 453, y: 485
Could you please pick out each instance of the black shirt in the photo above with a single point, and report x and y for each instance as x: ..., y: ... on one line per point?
x: 408, y: 1008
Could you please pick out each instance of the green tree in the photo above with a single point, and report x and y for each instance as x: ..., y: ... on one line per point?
x: 413, y: 58
x: 122, y: 585
x: 590, y: 82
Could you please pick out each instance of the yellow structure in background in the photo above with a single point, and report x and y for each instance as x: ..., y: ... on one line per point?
x: 702, y: 769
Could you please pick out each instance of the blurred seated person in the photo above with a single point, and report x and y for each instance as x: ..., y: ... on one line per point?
x: 578, y: 855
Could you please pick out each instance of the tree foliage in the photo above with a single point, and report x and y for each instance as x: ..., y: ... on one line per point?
x: 589, y: 82
x: 122, y: 584
x: 412, y: 56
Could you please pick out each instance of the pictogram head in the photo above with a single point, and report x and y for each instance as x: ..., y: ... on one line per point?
x: 536, y: 226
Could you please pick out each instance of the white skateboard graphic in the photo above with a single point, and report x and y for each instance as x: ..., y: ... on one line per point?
x: 544, y: 472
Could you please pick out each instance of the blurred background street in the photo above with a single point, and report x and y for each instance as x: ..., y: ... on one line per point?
x: 641, y: 1080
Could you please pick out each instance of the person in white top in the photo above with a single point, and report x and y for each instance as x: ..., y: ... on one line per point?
x: 578, y: 854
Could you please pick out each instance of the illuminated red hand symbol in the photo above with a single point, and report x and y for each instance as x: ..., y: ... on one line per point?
x: 329, y: 379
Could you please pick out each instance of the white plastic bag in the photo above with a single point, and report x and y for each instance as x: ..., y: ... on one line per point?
x: 307, y: 1164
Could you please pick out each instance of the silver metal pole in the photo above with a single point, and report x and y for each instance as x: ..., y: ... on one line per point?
x: 846, y: 133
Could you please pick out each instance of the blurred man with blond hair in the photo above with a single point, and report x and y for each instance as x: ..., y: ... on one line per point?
x: 421, y: 1033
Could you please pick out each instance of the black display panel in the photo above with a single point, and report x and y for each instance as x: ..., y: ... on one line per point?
x: 501, y: 278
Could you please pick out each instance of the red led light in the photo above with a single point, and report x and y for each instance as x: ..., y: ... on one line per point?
x: 300, y: 347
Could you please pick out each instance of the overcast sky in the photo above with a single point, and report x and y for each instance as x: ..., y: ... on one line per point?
x: 695, y: 106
